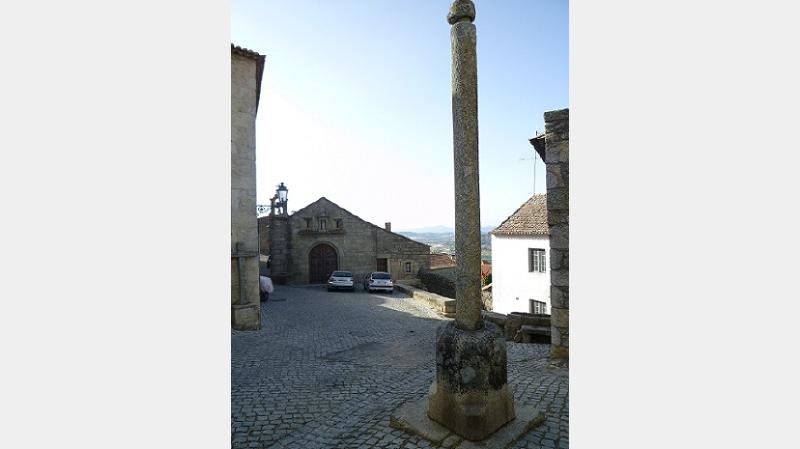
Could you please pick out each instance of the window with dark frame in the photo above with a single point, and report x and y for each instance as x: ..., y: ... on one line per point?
x: 323, y: 225
x: 536, y: 260
x: 308, y: 223
x: 338, y: 223
x: 408, y: 267
x: 538, y: 306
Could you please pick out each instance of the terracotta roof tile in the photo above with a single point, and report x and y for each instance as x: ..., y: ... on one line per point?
x: 529, y: 219
x: 486, y: 268
x: 439, y: 260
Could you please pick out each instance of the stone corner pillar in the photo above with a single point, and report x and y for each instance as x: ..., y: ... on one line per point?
x: 245, y: 300
x: 470, y: 395
x: 246, y: 317
x: 556, y: 124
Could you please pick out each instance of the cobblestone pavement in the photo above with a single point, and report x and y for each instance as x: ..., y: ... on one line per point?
x: 327, y: 369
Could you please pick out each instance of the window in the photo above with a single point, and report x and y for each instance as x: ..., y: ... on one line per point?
x: 308, y: 223
x: 323, y: 225
x: 338, y: 223
x: 536, y: 261
x: 408, y: 267
x: 538, y: 306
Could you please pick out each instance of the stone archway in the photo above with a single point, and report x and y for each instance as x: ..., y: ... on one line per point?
x: 322, y: 261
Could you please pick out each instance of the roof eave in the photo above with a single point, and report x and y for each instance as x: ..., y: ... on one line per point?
x: 538, y: 145
x: 521, y: 234
x: 259, y: 59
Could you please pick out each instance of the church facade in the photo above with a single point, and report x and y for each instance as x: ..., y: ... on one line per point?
x: 306, y: 246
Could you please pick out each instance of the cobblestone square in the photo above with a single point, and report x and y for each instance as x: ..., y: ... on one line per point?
x: 327, y: 369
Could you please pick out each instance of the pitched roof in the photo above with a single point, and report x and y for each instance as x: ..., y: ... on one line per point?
x: 439, y: 260
x: 486, y: 268
x: 529, y: 219
x: 241, y: 51
x: 365, y: 221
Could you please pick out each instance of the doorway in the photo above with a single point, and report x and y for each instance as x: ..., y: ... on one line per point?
x: 322, y: 261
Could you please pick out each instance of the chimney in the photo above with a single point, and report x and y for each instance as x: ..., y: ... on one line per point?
x: 389, y: 226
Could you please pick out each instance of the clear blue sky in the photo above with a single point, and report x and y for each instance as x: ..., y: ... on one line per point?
x: 355, y: 102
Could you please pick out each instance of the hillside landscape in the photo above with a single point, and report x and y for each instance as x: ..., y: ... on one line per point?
x: 442, y: 239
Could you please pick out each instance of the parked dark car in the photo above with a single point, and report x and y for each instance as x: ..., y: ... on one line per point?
x: 340, y: 280
x: 379, y: 280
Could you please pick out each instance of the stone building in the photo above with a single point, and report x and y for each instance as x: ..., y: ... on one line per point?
x: 553, y: 147
x: 247, y: 68
x: 306, y: 246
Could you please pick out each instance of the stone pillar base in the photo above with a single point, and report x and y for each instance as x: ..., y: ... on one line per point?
x: 470, y: 395
x: 412, y: 417
x: 559, y: 352
x: 246, y: 317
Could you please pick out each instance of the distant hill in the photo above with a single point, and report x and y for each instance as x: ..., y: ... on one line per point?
x: 439, y: 230
x: 428, y: 230
x: 444, y: 242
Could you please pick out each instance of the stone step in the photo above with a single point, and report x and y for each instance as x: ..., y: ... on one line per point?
x: 539, y: 330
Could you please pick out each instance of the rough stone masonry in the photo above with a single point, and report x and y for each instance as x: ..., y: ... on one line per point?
x: 246, y: 70
x: 470, y: 395
x: 556, y: 125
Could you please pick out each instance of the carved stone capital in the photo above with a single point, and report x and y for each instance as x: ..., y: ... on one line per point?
x: 461, y: 10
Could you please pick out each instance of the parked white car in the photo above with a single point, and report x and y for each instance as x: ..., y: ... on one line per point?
x: 340, y: 280
x: 379, y: 280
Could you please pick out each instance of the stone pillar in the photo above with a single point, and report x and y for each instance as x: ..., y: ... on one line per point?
x: 246, y: 71
x: 279, y: 239
x: 465, y: 159
x: 470, y: 395
x: 556, y: 124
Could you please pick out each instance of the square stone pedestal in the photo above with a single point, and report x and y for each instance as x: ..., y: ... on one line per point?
x: 470, y: 395
x: 412, y: 417
x: 246, y: 317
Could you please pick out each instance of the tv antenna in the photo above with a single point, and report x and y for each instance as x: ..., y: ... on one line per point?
x: 534, y: 157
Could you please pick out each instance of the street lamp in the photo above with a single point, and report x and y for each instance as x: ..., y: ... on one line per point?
x: 280, y: 199
x: 282, y: 192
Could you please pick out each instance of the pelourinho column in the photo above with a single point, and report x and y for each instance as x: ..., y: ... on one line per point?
x: 470, y: 395
x: 465, y: 161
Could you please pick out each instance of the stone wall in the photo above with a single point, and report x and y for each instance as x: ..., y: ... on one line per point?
x: 487, y: 300
x: 263, y: 234
x: 244, y: 226
x: 556, y: 125
x: 445, y: 306
x: 358, y: 244
x: 441, y: 281
x: 280, y: 247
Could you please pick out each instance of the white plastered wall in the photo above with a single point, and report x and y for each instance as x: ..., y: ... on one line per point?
x: 513, y: 286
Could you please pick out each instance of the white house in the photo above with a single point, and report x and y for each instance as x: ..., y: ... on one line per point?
x: 520, y: 251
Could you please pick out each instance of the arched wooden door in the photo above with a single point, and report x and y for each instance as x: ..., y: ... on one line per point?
x: 322, y: 261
